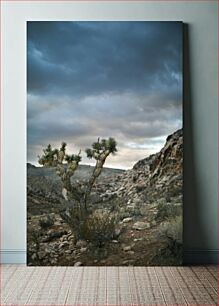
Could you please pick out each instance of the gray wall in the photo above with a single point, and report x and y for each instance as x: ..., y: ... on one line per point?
x: 200, y: 111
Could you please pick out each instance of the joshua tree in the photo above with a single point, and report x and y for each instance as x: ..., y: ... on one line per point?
x: 76, y: 215
x: 55, y: 158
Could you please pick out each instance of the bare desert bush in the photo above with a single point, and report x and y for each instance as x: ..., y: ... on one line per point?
x: 115, y: 204
x: 166, y: 211
x: 75, y: 217
x: 96, y: 227
x: 172, y: 229
x: 33, y: 243
x: 46, y: 222
x: 99, y: 228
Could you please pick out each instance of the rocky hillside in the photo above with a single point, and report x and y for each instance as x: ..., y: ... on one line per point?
x: 155, y: 178
x: 145, y: 202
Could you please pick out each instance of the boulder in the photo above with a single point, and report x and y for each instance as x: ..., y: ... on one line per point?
x: 117, y: 231
x: 68, y: 252
x: 81, y: 243
x: 63, y: 244
x: 127, y: 248
x: 34, y: 256
x: 78, y: 264
x: 41, y: 254
x: 83, y: 250
x: 140, y: 225
x: 126, y: 220
x: 115, y: 241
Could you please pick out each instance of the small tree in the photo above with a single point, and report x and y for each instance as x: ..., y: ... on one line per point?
x: 66, y: 165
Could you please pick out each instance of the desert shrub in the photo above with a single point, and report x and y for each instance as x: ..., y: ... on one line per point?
x: 75, y: 217
x: 33, y: 244
x: 99, y: 228
x: 115, y: 204
x: 166, y: 211
x: 172, y: 229
x: 96, y: 228
x: 46, y: 222
x: 123, y: 213
x: 172, y: 253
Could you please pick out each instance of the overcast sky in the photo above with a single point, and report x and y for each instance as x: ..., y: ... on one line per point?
x: 103, y: 79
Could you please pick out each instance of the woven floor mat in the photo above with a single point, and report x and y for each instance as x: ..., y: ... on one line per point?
x: 124, y: 286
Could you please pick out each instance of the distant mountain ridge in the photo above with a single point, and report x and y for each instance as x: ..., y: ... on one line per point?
x: 83, y: 172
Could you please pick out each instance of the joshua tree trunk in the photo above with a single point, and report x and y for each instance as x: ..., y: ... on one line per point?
x: 96, y: 173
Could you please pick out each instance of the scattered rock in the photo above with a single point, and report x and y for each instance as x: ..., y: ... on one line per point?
x: 115, y: 241
x: 131, y: 252
x: 83, y: 250
x: 70, y: 237
x: 63, y: 244
x: 56, y: 234
x: 78, y: 264
x: 127, y: 248
x: 117, y: 231
x: 138, y: 239
x: 140, y: 225
x: 81, y: 243
x: 126, y: 220
x: 41, y: 254
x: 34, y: 256
x: 68, y: 252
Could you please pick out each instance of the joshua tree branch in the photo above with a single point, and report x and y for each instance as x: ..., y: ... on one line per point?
x: 101, y: 150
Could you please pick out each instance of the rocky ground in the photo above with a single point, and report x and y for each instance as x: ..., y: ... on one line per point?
x: 145, y: 202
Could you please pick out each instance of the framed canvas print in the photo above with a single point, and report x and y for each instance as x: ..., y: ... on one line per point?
x: 104, y: 143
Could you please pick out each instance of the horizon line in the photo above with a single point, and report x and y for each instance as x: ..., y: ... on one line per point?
x: 84, y: 164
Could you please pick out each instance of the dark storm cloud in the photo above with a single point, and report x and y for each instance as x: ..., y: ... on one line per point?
x: 84, y: 58
x: 89, y: 79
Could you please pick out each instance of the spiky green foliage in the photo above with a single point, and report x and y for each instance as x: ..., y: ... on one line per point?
x: 63, y: 146
x: 48, y: 149
x: 89, y: 153
x: 100, y: 147
x: 50, y: 157
x: 110, y: 145
x: 73, y: 157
